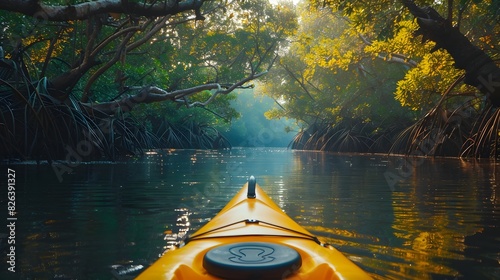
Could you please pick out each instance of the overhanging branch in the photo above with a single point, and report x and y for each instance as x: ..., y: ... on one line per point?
x: 84, y: 10
x: 151, y: 94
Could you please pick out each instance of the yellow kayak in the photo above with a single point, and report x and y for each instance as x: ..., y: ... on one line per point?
x: 252, y: 238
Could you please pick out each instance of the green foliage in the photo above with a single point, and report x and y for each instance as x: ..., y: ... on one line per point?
x: 388, y: 30
x: 357, y: 64
x: 423, y: 85
x: 237, y: 39
x: 327, y: 77
x: 54, y: 130
x: 352, y: 70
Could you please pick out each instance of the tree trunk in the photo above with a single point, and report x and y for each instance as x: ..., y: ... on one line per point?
x: 480, y: 70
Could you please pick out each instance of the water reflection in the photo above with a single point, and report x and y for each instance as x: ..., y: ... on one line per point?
x: 433, y: 218
x: 176, y: 235
x: 440, y: 221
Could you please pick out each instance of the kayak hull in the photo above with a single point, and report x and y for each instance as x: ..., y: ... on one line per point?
x: 248, y: 220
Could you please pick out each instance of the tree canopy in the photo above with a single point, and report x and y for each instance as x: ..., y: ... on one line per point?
x: 141, y: 60
x: 361, y: 76
x: 360, y: 72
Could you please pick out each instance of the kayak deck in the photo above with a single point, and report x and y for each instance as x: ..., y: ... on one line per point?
x: 243, y: 222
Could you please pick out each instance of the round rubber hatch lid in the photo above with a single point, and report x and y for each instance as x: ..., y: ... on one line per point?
x: 252, y: 260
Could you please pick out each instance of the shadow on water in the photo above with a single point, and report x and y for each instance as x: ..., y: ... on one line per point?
x: 396, y: 218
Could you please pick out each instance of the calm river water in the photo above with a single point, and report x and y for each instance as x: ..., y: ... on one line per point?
x: 396, y: 218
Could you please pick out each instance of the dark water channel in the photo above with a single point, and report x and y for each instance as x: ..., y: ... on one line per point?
x: 396, y: 218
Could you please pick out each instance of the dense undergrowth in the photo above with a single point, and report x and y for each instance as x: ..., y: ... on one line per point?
x: 463, y: 132
x: 36, y: 125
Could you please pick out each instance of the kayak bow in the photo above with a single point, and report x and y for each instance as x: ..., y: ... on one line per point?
x: 252, y: 238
